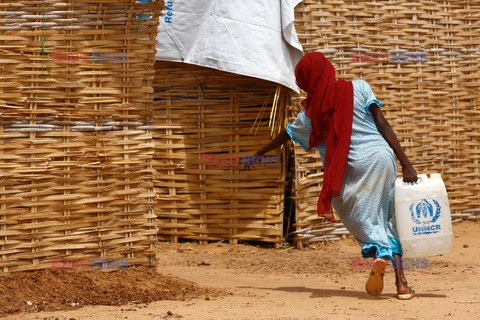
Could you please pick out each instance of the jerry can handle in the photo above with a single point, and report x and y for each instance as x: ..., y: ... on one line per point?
x: 421, y: 178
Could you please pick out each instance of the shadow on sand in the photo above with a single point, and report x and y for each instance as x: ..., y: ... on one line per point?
x: 324, y: 293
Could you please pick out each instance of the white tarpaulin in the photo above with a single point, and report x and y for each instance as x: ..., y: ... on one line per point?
x: 255, y: 38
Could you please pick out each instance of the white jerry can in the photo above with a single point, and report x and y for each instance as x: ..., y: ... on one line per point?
x: 422, y: 215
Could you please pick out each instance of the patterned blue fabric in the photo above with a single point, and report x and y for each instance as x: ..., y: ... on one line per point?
x: 365, y: 204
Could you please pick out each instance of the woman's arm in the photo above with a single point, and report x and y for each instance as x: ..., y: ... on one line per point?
x: 409, y: 172
x: 276, y: 142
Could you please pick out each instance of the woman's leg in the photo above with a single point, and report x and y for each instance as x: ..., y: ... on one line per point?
x: 363, y: 207
x: 403, y: 290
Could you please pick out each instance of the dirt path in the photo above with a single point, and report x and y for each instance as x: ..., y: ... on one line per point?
x: 317, y: 283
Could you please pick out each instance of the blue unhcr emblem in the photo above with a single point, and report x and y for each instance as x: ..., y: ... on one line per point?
x: 424, y: 212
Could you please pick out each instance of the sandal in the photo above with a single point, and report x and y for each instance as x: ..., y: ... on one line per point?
x: 406, y: 296
x: 374, y: 285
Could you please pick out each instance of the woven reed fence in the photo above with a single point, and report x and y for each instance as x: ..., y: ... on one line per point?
x: 76, y: 146
x: 201, y: 112
x: 433, y: 106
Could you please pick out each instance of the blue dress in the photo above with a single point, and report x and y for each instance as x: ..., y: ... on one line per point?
x: 365, y: 204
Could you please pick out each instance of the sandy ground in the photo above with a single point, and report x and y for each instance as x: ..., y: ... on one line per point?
x: 315, y: 283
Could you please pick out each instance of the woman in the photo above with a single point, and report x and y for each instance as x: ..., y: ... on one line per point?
x: 343, y: 121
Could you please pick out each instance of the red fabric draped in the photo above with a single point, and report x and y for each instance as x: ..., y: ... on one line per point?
x: 329, y: 105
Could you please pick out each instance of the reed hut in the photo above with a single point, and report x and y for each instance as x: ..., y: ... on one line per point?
x: 76, y: 144
x: 217, y: 101
x: 432, y: 105
x: 208, y: 123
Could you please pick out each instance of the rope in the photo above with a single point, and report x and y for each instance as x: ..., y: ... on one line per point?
x: 140, y: 17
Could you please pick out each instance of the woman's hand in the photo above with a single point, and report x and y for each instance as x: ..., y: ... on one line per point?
x: 276, y: 142
x: 248, y: 165
x: 409, y: 174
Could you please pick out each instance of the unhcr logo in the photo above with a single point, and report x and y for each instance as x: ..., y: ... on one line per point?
x: 424, y: 214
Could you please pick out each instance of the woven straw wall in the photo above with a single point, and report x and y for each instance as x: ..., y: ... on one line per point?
x: 433, y: 106
x: 204, y: 111
x: 75, y: 142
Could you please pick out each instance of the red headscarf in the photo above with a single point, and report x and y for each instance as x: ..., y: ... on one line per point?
x: 329, y: 105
